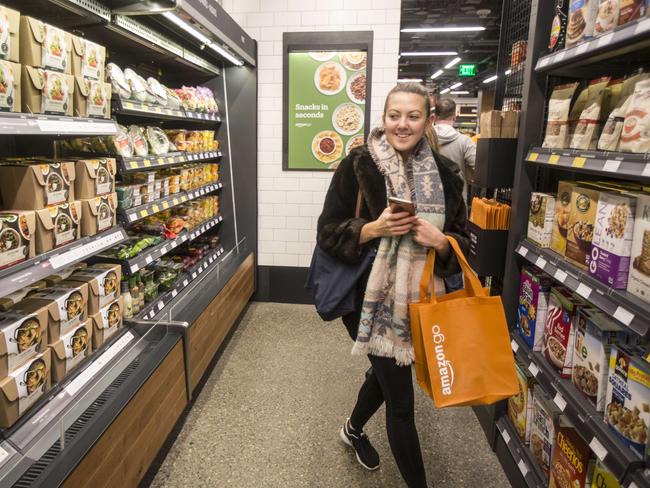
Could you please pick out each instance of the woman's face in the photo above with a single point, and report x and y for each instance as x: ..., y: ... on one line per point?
x: 405, y: 120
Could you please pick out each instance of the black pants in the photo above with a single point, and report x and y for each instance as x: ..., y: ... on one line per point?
x: 393, y: 384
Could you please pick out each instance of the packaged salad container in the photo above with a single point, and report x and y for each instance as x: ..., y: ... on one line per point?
x: 9, y: 34
x: 44, y: 46
x: 57, y: 225
x: 17, y: 240
x: 115, y: 76
x: 10, y: 89
x: 71, y: 349
x: 33, y: 185
x: 92, y: 98
x: 94, y: 177
x: 88, y: 59
x: 46, y: 92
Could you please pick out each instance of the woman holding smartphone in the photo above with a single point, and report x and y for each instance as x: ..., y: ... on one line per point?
x: 398, y: 163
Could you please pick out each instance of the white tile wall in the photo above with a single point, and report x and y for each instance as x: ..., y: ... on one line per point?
x: 291, y: 201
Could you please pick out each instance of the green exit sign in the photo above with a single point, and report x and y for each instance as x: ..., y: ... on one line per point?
x: 467, y: 70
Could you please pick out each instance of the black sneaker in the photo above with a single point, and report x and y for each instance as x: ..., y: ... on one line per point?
x: 366, y: 454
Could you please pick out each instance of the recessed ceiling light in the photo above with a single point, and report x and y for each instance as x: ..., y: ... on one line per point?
x: 468, y: 28
x: 460, y: 92
x: 410, y: 80
x: 508, y: 71
x: 490, y: 79
x: 452, y: 63
x: 455, y: 85
x: 436, y: 74
x: 446, y: 90
x: 430, y: 53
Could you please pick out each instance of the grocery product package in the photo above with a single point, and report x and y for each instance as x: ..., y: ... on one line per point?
x: 10, y: 89
x: 57, y: 225
x: 103, y: 280
x: 46, y: 92
x: 582, y: 216
x: 71, y: 349
x: 23, y: 334
x: 582, y: 17
x: 9, y: 301
x: 573, y: 462
x: 120, y: 85
x: 44, y: 46
x: 635, y: 136
x: 638, y: 282
x: 603, y: 477
x: 94, y: 177
x: 9, y: 47
x: 561, y: 219
x: 612, y: 97
x: 534, y: 290
x: 98, y: 214
x: 107, y: 321
x: 631, y: 10
x: 558, y: 116
x: 577, y: 107
x: 611, y: 133
x: 545, y: 424
x: 595, y: 335
x: 88, y: 59
x: 558, y: 27
x: 33, y: 185
x: 17, y: 238
x: 520, y: 406
x: 92, y: 98
x: 586, y: 132
x: 607, y: 19
x: 540, y: 218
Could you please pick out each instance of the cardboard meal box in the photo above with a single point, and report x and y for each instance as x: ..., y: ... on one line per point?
x: 94, y: 177
x: 595, y: 335
x: 609, y: 259
x: 107, y: 322
x: 638, y: 282
x: 70, y: 350
x: 57, y: 226
x: 10, y: 89
x: 582, y: 217
x: 68, y: 307
x: 63, y: 274
x: 572, y: 463
x: 44, y: 46
x: 33, y: 186
x: 92, y: 98
x: 520, y: 406
x: 627, y: 409
x: 23, y: 387
x: 46, y: 92
x: 490, y: 124
x: 561, y: 218
x: 98, y: 214
x: 7, y: 302
x: 103, y: 280
x: 540, y: 218
x: 510, y: 124
x: 23, y: 334
x: 545, y: 423
x: 9, y: 34
x: 88, y: 59
x: 17, y: 239
x: 534, y: 291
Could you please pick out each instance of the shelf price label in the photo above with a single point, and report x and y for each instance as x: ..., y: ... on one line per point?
x: 533, y: 156
x: 165, y: 205
x: 623, y: 315
x: 646, y: 170
x: 522, y: 467
x: 523, y: 251
x: 598, y: 449
x: 582, y: 48
x: 506, y: 436
x: 560, y: 275
x: 611, y: 165
x: 553, y: 159
x: 144, y: 213
x: 133, y: 164
x: 146, y: 163
x: 534, y: 370
x: 541, y: 262
x: 514, y: 345
x: 560, y: 401
x: 584, y: 291
x: 579, y: 162
x: 155, y: 208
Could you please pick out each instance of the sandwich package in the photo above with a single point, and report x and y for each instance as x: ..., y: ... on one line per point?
x: 17, y: 239
x: 586, y: 132
x: 23, y: 387
x: 23, y: 334
x: 98, y: 214
x: 33, y: 185
x: 582, y: 217
x: 520, y: 406
x: 71, y: 349
x: 46, y: 92
x: 544, y: 428
x: 9, y: 34
x: 635, y: 136
x: 10, y: 89
x: 88, y: 59
x: 534, y: 290
x: 92, y: 98
x: 44, y: 46
x: 540, y: 218
x: 557, y: 126
x: 107, y: 322
x: 57, y: 225
x: 94, y: 177
x: 103, y: 280
x: 582, y: 17
x: 638, y: 282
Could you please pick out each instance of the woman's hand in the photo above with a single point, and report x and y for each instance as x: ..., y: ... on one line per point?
x: 428, y: 235
x: 387, y: 225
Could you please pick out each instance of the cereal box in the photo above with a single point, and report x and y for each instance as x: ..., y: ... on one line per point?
x: 603, y: 477
x: 534, y: 289
x: 572, y: 460
x: 638, y: 282
x: 609, y: 259
x: 520, y: 406
x: 595, y: 334
x: 559, y: 331
x: 540, y: 218
x: 580, y: 229
x: 546, y: 418
x: 561, y: 219
x: 628, y: 398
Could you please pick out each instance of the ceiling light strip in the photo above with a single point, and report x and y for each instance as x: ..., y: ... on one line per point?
x: 436, y: 74
x: 455, y: 85
x: 446, y: 90
x: 490, y: 79
x: 452, y: 63
x: 410, y: 80
x: 430, y: 53
x: 469, y: 28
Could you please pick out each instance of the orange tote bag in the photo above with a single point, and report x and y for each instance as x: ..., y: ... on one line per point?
x: 461, y: 342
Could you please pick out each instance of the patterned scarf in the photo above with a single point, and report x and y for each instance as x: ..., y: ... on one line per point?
x: 385, y: 328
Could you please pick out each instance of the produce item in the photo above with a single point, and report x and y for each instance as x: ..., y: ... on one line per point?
x: 173, y: 101
x: 627, y: 410
x: 137, y: 85
x: 520, y: 406
x: 609, y: 259
x: 540, y: 218
x: 635, y: 136
x: 572, y: 459
x: 610, y: 137
x: 33, y: 185
x: 586, y: 133
x: 631, y: 10
x: 534, y: 290
x: 92, y: 98
x: 17, y: 240
x: 582, y: 17
x: 10, y: 96
x: 120, y: 84
x: 603, y: 477
x: 558, y: 27
x: 559, y: 330
x: 103, y: 280
x: 158, y: 90
x: 88, y: 59
x: 158, y: 142
x: 135, y: 295
x: 57, y: 225
x: 639, y: 275
x: 150, y: 287
x: 107, y: 321
x: 67, y: 307
x: 71, y: 349
x: 561, y: 220
x: 137, y: 246
x: 44, y: 46
x: 94, y: 177
x: 607, y: 19
x: 582, y: 217
x: 140, y: 144
x: 127, y: 300
x: 23, y: 334
x: 9, y: 38
x: 23, y: 387
x: 558, y: 116
x: 11, y: 300
x: 46, y: 92
x: 543, y: 432
x: 595, y: 335
x: 120, y: 144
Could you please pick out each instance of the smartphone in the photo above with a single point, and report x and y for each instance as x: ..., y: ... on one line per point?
x: 399, y: 205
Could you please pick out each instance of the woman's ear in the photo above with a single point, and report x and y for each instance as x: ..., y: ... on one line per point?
x: 432, y: 119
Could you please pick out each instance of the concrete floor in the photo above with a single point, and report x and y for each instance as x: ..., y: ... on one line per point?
x: 270, y: 413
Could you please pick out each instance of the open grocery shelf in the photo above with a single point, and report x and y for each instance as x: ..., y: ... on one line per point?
x: 521, y: 455
x: 602, y: 163
x: 628, y: 309
x: 134, y: 214
x: 152, y: 163
x: 163, y: 300
x: 139, y: 109
x: 22, y: 274
x: 21, y: 124
x: 602, y: 440
x: 630, y: 37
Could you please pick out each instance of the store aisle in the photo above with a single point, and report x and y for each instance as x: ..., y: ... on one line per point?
x: 270, y: 412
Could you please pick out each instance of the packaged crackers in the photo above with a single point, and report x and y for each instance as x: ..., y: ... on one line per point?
x: 639, y: 275
x: 546, y: 419
x: 540, y: 218
x: 534, y: 290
